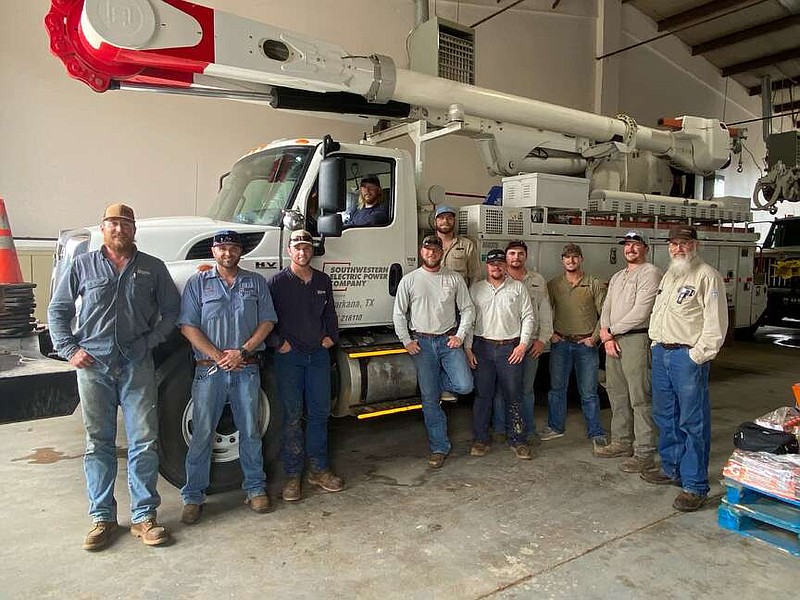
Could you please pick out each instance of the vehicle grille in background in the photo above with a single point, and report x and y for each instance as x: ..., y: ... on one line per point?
x: 202, y: 249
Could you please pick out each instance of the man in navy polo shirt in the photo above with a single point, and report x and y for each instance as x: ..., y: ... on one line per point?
x: 307, y: 328
x: 226, y: 313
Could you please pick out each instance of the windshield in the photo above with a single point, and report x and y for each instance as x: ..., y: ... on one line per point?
x: 783, y: 233
x: 260, y: 186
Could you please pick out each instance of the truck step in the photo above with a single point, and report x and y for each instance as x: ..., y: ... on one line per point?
x: 760, y: 515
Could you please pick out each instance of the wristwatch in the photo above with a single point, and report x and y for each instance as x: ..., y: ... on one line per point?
x: 245, y: 353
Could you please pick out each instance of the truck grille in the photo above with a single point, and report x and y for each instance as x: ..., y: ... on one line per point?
x: 202, y: 249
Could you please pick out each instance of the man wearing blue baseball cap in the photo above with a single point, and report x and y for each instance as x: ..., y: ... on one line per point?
x: 460, y: 254
x: 226, y: 313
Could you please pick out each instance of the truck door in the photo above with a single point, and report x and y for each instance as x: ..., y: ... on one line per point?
x: 366, y: 263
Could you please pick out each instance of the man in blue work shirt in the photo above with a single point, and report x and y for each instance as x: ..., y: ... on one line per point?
x: 129, y: 305
x: 307, y: 327
x: 372, y: 209
x: 226, y: 313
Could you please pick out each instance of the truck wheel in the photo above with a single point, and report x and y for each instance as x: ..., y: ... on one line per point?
x: 175, y: 431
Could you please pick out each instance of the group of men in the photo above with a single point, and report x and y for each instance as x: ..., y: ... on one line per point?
x: 128, y: 304
x: 112, y: 306
x: 659, y: 332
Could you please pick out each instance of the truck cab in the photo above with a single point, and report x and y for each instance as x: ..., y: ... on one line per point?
x: 779, y: 265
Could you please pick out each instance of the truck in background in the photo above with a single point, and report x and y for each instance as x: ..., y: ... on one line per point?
x: 778, y: 264
x: 585, y: 179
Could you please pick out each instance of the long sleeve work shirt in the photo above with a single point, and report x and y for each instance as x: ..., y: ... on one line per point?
x: 427, y: 302
x: 122, y: 313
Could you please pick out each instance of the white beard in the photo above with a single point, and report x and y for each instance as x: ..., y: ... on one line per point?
x: 680, y: 265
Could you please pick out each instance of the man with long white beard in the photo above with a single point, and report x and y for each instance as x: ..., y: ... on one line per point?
x: 688, y: 325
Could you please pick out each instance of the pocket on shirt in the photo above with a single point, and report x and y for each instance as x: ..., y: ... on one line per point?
x: 213, y: 306
x: 143, y: 288
x: 97, y: 289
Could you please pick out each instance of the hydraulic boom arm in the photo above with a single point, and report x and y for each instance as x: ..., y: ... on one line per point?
x: 178, y: 45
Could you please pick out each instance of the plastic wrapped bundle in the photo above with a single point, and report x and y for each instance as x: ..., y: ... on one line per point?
x: 774, y: 474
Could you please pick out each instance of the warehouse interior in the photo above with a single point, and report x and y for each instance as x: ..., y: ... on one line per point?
x: 563, y: 525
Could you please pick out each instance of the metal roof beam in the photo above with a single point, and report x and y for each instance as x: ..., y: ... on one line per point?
x: 702, y: 11
x: 764, y: 61
x: 745, y: 34
x: 781, y: 84
x: 787, y: 107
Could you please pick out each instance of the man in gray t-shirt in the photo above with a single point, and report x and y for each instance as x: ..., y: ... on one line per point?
x: 433, y: 332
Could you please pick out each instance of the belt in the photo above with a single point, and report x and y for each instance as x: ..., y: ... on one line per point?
x: 208, y: 363
x: 574, y: 338
x: 674, y: 346
x: 632, y: 331
x: 514, y: 341
x: 433, y: 335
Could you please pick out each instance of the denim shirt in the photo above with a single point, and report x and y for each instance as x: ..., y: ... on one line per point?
x: 122, y: 314
x: 227, y: 316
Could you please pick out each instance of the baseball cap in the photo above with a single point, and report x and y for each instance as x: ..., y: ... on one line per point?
x: 495, y: 255
x: 432, y: 241
x: 634, y: 235
x: 300, y: 237
x: 444, y: 209
x: 517, y: 244
x: 226, y: 236
x: 370, y: 179
x: 571, y: 250
x: 119, y: 211
x: 682, y: 232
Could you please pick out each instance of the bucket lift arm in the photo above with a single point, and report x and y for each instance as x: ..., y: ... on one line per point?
x: 177, y: 45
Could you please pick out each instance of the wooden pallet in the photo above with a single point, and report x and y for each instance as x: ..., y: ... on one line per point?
x: 761, y: 515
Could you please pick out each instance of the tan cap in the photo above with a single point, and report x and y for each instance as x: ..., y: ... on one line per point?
x: 300, y: 237
x: 119, y: 211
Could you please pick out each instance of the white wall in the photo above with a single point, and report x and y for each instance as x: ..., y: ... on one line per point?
x: 67, y: 151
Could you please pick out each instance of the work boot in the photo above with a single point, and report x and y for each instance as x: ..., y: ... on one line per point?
x: 687, y: 501
x: 150, y: 532
x: 637, y: 464
x: 100, y: 535
x: 436, y: 460
x: 523, y: 451
x: 479, y: 449
x: 550, y: 434
x: 615, y: 449
x: 291, y: 489
x: 656, y: 476
x: 448, y: 397
x: 599, y: 442
x: 191, y: 513
x: 326, y: 480
x: 258, y: 503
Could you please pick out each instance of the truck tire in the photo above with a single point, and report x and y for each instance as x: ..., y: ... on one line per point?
x: 175, y: 428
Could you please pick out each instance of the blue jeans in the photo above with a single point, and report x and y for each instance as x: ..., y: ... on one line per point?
x: 439, y: 368
x: 304, y: 381
x: 133, y: 388
x: 242, y: 390
x: 682, y: 412
x: 586, y: 360
x: 493, y: 374
x: 530, y: 367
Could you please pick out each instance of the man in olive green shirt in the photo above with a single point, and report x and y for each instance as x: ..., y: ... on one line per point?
x: 460, y: 254
x: 577, y: 300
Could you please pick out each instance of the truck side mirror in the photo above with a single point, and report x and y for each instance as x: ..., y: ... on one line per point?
x: 332, y: 186
x: 330, y: 225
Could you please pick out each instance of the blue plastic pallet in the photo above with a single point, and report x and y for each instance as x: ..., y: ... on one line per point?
x: 761, y: 515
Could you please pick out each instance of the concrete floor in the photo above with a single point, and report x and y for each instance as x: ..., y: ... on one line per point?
x: 565, y: 525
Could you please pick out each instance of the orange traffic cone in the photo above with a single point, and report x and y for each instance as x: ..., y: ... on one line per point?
x: 10, y: 271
